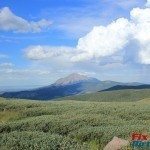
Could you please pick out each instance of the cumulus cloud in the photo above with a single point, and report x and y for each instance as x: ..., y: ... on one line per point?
x: 141, y: 19
x: 10, y: 22
x: 39, y: 52
x: 105, y: 41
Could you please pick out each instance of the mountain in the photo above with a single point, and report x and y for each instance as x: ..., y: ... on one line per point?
x: 72, y: 79
x: 73, y: 84
x: 124, y: 87
x: 70, y: 85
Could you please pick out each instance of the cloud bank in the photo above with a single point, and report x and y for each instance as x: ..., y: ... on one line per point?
x: 39, y: 52
x: 10, y: 22
x: 106, y: 41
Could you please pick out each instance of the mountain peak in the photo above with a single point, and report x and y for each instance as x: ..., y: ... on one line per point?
x: 72, y: 78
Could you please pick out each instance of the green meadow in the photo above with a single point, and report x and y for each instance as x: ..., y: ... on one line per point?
x: 86, y: 122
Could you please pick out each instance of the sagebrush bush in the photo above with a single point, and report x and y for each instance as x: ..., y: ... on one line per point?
x: 69, y: 125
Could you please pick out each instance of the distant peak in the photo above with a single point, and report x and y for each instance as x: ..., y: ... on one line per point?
x: 70, y: 79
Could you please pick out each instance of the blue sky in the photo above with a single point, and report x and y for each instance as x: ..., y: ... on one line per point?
x: 42, y: 40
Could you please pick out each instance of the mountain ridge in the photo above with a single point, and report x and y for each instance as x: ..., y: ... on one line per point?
x: 72, y: 78
x: 73, y: 84
x: 124, y: 87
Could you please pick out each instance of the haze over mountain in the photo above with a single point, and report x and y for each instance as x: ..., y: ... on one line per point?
x: 71, y: 85
x: 17, y: 88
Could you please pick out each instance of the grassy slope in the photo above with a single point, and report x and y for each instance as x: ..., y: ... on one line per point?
x: 112, y: 96
x: 69, y: 125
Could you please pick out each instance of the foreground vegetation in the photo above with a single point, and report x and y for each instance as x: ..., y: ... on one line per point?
x: 69, y: 125
x: 128, y: 95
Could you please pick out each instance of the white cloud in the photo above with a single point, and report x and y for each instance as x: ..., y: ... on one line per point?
x: 10, y: 22
x: 144, y: 55
x: 39, y: 52
x: 105, y: 41
x: 27, y: 77
x: 148, y: 3
x: 141, y: 18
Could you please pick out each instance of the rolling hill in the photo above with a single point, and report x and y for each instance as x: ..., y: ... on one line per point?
x: 125, y: 95
x: 124, y: 87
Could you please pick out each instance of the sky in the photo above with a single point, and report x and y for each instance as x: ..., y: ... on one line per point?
x: 43, y: 40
